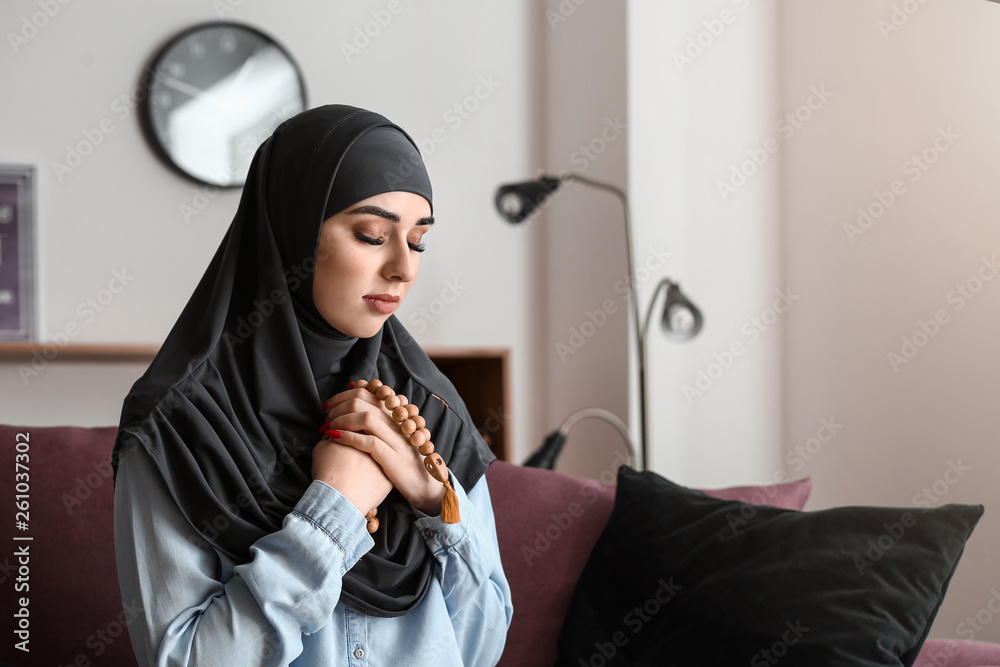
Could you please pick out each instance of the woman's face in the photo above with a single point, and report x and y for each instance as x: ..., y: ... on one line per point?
x: 367, y: 259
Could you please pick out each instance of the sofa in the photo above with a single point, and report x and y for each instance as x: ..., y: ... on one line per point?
x: 59, y: 553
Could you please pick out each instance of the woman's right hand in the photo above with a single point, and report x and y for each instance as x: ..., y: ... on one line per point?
x: 353, y: 473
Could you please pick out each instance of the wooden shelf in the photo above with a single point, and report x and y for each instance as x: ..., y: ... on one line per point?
x: 102, y: 352
x: 481, y: 376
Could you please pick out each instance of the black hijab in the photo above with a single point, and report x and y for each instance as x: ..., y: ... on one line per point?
x: 229, y: 408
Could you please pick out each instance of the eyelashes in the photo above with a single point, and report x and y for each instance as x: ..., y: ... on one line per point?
x: 367, y: 239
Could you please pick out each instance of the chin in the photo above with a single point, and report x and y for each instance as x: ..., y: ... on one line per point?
x: 366, y: 329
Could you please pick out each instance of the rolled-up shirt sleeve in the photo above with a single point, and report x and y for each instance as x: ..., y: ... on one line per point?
x: 475, y: 588
x: 192, y: 611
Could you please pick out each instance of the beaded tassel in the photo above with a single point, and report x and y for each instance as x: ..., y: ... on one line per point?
x: 407, y: 415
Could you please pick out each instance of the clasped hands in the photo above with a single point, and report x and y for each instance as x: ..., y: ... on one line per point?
x: 370, y: 456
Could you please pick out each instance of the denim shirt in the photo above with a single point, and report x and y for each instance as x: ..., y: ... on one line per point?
x: 194, y: 606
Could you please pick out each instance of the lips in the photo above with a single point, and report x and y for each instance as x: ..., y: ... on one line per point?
x: 383, y: 303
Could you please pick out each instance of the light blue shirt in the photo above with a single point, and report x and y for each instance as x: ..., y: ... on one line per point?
x: 188, y: 604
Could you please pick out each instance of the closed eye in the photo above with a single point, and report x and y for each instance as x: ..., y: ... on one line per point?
x: 367, y: 239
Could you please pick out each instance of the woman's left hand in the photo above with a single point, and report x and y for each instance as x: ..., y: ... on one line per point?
x: 368, y: 426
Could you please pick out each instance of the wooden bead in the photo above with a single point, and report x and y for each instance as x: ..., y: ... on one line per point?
x: 361, y: 384
x: 373, y: 385
x: 420, y: 421
x: 372, y: 525
x: 403, y: 400
x: 435, y: 466
x: 371, y: 513
x: 427, y: 448
x: 408, y: 427
x: 392, y: 402
x: 399, y: 414
x: 427, y: 434
x: 418, y: 438
x: 412, y: 410
x: 384, y: 392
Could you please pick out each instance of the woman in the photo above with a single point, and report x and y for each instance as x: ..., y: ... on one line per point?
x: 244, y: 540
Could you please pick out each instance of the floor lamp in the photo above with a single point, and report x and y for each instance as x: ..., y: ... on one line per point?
x: 680, y: 320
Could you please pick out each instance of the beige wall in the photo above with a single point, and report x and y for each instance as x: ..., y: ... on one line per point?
x: 878, y: 97
x: 863, y: 290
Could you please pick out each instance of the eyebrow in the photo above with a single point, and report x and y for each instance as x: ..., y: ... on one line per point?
x: 388, y: 215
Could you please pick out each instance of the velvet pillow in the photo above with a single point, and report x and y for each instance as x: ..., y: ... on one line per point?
x: 678, y: 577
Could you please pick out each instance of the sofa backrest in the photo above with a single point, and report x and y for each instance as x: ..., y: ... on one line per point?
x: 75, y: 614
x: 547, y: 524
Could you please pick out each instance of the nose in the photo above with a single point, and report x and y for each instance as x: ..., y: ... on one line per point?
x: 401, y: 263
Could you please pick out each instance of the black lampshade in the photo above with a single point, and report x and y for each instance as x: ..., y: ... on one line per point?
x: 516, y: 201
x: 681, y: 318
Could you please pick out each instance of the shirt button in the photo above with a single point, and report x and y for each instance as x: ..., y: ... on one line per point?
x: 359, y: 653
x: 428, y: 533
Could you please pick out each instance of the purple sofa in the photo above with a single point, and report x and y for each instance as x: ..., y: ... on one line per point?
x: 547, y: 523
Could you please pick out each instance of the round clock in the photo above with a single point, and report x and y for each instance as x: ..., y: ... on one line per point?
x: 215, y: 92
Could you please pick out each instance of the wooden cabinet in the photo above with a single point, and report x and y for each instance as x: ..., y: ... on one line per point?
x: 481, y: 377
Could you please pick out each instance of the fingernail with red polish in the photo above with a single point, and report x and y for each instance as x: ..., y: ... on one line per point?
x: 324, y: 404
x: 322, y: 429
x: 351, y: 385
x: 334, y: 434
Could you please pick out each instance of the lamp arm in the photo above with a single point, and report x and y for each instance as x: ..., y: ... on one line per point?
x: 636, y: 324
x: 666, y: 282
x: 607, y: 416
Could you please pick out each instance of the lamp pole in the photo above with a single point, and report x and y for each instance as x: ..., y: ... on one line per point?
x: 640, y: 337
x: 516, y: 201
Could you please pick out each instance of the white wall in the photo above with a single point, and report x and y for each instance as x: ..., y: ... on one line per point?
x: 120, y: 208
x: 901, y: 426
x: 715, y: 416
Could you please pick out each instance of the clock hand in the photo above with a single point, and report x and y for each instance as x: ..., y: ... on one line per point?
x: 183, y: 87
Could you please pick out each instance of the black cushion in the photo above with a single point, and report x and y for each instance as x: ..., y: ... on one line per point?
x: 681, y: 578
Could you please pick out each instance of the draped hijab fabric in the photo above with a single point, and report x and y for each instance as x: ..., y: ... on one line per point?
x: 230, y: 406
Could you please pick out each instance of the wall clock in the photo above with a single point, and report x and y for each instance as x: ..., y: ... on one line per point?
x: 215, y: 92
